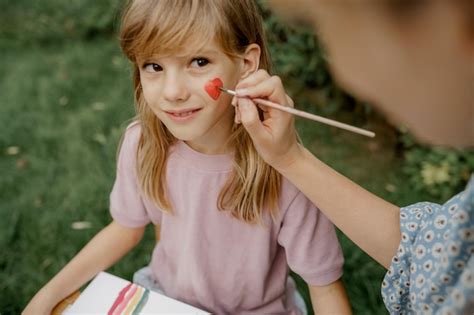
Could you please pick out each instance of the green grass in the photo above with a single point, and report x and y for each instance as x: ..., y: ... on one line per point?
x: 65, y: 106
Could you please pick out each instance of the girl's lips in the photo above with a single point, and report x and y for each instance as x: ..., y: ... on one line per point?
x: 183, y: 115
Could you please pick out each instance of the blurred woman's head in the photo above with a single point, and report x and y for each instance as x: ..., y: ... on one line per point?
x: 414, y: 60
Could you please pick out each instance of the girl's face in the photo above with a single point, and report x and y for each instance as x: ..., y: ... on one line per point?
x: 173, y: 87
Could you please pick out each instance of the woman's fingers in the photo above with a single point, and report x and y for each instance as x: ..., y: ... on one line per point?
x: 289, y: 101
x: 250, y: 119
x: 274, y: 136
x: 237, y: 118
x: 253, y: 79
x: 270, y: 88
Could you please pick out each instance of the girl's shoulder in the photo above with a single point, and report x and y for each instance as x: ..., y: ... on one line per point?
x: 129, y: 142
x: 133, y: 129
x: 288, y: 189
x: 290, y: 194
x: 132, y: 134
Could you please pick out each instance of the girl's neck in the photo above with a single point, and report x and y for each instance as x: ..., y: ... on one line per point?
x: 210, y: 148
x: 216, y: 140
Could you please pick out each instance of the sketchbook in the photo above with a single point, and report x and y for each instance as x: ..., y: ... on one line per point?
x: 108, y: 294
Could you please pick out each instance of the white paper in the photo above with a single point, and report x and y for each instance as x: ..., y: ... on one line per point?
x: 101, y: 293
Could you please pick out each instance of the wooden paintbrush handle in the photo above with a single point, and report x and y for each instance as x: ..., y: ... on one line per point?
x: 317, y: 118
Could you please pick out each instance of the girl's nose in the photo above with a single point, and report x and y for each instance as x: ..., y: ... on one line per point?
x: 175, y: 88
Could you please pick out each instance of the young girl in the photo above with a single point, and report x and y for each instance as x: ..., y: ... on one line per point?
x: 229, y: 224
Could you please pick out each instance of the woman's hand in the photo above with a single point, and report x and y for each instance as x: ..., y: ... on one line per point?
x: 274, y: 137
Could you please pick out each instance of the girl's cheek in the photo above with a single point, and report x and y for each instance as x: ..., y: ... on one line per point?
x: 212, y: 88
x: 148, y: 94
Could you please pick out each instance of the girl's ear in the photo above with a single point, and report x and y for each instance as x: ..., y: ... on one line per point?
x: 251, y: 60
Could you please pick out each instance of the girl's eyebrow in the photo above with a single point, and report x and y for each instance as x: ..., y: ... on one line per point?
x: 184, y: 55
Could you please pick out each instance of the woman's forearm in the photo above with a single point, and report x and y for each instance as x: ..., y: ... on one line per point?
x: 106, y: 248
x: 369, y: 221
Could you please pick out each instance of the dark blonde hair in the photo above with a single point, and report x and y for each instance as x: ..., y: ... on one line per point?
x: 170, y: 26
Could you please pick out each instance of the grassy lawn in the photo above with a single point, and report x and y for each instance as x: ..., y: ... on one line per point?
x: 63, y: 109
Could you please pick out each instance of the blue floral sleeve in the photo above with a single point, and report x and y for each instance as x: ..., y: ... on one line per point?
x: 433, y: 270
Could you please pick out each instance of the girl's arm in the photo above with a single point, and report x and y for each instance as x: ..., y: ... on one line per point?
x: 106, y: 248
x: 330, y: 299
x: 369, y: 221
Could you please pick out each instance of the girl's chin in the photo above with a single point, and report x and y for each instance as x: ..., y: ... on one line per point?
x: 185, y: 136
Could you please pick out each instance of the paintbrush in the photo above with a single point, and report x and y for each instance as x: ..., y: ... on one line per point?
x: 306, y: 115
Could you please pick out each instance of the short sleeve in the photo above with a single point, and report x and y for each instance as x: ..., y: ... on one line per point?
x: 433, y: 269
x: 126, y: 204
x: 310, y: 243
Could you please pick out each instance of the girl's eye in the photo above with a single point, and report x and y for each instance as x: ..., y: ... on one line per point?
x: 153, y: 67
x: 199, y: 62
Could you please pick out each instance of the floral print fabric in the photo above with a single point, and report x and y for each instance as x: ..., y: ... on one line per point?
x: 433, y: 270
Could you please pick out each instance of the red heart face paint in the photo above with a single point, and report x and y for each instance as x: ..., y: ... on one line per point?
x: 212, y: 88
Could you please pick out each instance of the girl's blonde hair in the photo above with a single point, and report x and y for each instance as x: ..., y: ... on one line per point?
x: 169, y: 26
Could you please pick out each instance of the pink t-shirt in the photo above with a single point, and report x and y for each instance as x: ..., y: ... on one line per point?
x: 209, y: 259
